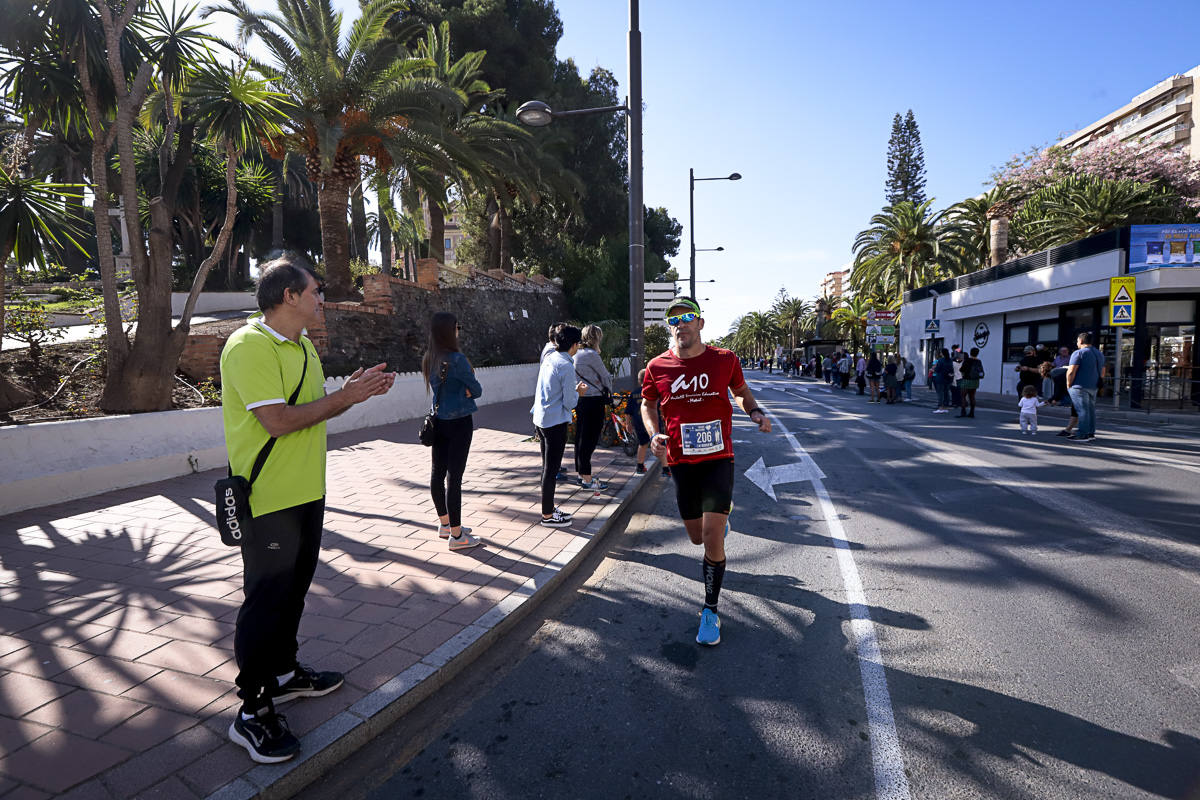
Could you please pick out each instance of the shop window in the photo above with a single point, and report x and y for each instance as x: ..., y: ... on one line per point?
x: 1015, y: 340
x: 1018, y: 337
x: 1170, y: 310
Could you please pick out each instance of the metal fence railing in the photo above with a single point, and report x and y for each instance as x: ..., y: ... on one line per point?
x: 1154, y: 393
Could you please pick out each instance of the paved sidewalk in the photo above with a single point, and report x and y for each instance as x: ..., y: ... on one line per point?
x: 117, y: 612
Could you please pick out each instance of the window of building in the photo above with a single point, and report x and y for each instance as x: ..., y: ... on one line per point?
x: 1018, y: 337
x: 449, y: 245
x: 1170, y: 311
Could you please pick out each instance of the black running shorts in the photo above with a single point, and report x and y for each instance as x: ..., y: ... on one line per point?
x: 704, y: 486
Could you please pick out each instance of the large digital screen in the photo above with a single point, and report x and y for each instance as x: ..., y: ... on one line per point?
x: 1156, y: 246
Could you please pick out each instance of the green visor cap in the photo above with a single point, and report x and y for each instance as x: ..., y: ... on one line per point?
x: 682, y: 301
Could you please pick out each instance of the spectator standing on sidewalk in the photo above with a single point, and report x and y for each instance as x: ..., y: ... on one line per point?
x: 635, y: 425
x: 449, y: 376
x: 972, y: 374
x: 860, y: 373
x: 874, y: 372
x: 844, y: 368
x: 1029, y: 370
x: 943, y: 374
x: 890, y: 381
x: 956, y: 357
x: 1083, y: 380
x: 589, y: 413
x: 557, y: 394
x: 262, y: 365
x: 547, y: 349
x: 909, y: 371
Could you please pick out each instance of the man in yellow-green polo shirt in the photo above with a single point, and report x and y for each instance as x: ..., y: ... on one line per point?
x: 262, y: 364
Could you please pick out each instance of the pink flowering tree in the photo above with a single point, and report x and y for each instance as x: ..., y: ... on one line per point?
x: 1169, y: 168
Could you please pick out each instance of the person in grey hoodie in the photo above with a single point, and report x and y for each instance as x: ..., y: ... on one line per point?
x: 557, y: 393
x: 589, y: 414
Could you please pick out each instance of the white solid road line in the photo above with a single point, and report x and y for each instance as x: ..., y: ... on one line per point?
x: 886, y: 756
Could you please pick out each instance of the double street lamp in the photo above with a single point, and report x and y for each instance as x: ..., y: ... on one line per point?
x: 535, y: 113
x: 733, y: 176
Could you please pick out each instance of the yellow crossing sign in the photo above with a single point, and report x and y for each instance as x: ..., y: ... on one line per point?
x: 1122, y: 299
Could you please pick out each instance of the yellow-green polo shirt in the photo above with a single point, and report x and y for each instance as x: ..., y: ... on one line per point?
x: 258, y: 368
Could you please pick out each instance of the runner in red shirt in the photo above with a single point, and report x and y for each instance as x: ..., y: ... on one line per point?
x: 690, y: 384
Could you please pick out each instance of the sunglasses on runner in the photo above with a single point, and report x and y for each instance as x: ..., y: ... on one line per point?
x: 678, y: 318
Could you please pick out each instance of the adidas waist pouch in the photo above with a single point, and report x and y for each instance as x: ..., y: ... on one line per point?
x: 233, y: 510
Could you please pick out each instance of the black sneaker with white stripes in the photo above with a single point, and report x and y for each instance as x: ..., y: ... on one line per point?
x: 307, y: 682
x: 265, y: 736
x: 557, y: 520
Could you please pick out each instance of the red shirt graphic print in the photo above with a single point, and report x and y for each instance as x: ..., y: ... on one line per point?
x: 694, y: 401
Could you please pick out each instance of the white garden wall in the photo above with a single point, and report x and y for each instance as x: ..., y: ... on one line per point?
x: 50, y: 462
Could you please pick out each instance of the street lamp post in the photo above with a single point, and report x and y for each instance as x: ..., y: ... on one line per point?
x: 692, y: 219
x: 535, y: 113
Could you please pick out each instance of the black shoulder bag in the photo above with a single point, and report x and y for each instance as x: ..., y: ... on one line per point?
x: 428, y: 426
x: 233, y: 492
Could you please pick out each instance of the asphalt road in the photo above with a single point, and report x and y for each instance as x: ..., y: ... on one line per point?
x: 1033, y: 603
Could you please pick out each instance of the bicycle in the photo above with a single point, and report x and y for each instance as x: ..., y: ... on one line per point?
x: 615, y: 431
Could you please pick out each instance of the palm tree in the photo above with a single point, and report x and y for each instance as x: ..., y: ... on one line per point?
x: 358, y: 96
x: 234, y: 110
x: 33, y: 223
x: 972, y: 216
x: 1084, y: 205
x: 851, y: 318
x: 791, y: 313
x: 906, y: 246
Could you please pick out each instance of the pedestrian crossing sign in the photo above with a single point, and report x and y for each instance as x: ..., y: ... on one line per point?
x: 1121, y: 298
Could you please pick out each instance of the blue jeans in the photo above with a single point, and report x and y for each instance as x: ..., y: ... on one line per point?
x: 1085, y: 404
x: 908, y: 388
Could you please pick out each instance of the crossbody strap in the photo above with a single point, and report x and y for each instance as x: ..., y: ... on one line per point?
x: 270, y: 445
x: 437, y: 398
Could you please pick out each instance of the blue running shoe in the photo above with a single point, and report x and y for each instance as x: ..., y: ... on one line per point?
x: 710, y: 628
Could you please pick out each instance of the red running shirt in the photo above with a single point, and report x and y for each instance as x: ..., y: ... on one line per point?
x: 694, y: 398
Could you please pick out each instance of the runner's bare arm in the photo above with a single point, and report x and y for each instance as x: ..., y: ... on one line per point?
x: 745, y: 400
x: 280, y: 419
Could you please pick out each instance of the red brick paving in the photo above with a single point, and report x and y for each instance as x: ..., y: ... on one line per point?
x: 117, y: 611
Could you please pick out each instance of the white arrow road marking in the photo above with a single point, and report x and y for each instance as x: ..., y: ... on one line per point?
x: 765, y: 477
x: 887, y: 759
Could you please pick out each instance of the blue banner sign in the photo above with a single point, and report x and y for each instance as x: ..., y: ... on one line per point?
x: 1157, y: 246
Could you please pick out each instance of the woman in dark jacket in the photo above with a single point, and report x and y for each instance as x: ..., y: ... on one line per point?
x: 943, y: 375
x: 449, y: 376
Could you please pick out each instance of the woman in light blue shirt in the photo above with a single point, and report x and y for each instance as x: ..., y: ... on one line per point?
x: 558, y: 391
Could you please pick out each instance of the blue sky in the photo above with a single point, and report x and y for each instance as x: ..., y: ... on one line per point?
x: 798, y: 97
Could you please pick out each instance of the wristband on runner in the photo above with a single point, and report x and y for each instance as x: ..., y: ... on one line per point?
x: 750, y: 413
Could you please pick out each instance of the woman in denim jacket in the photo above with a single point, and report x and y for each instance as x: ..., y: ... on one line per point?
x: 448, y: 371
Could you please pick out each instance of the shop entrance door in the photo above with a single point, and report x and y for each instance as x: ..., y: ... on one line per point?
x: 1170, y: 365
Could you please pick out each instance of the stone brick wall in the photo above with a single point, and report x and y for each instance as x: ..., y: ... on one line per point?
x: 503, y: 318
x: 201, y: 357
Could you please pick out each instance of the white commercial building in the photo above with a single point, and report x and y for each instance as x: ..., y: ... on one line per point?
x: 1052, y: 296
x: 658, y: 297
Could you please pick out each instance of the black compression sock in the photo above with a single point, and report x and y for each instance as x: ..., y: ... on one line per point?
x: 714, y: 574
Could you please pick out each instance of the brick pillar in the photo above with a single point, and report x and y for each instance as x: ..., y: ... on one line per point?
x: 318, y: 334
x: 427, y: 273
x: 377, y: 292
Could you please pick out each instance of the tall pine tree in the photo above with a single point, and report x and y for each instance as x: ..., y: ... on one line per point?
x: 906, y: 162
